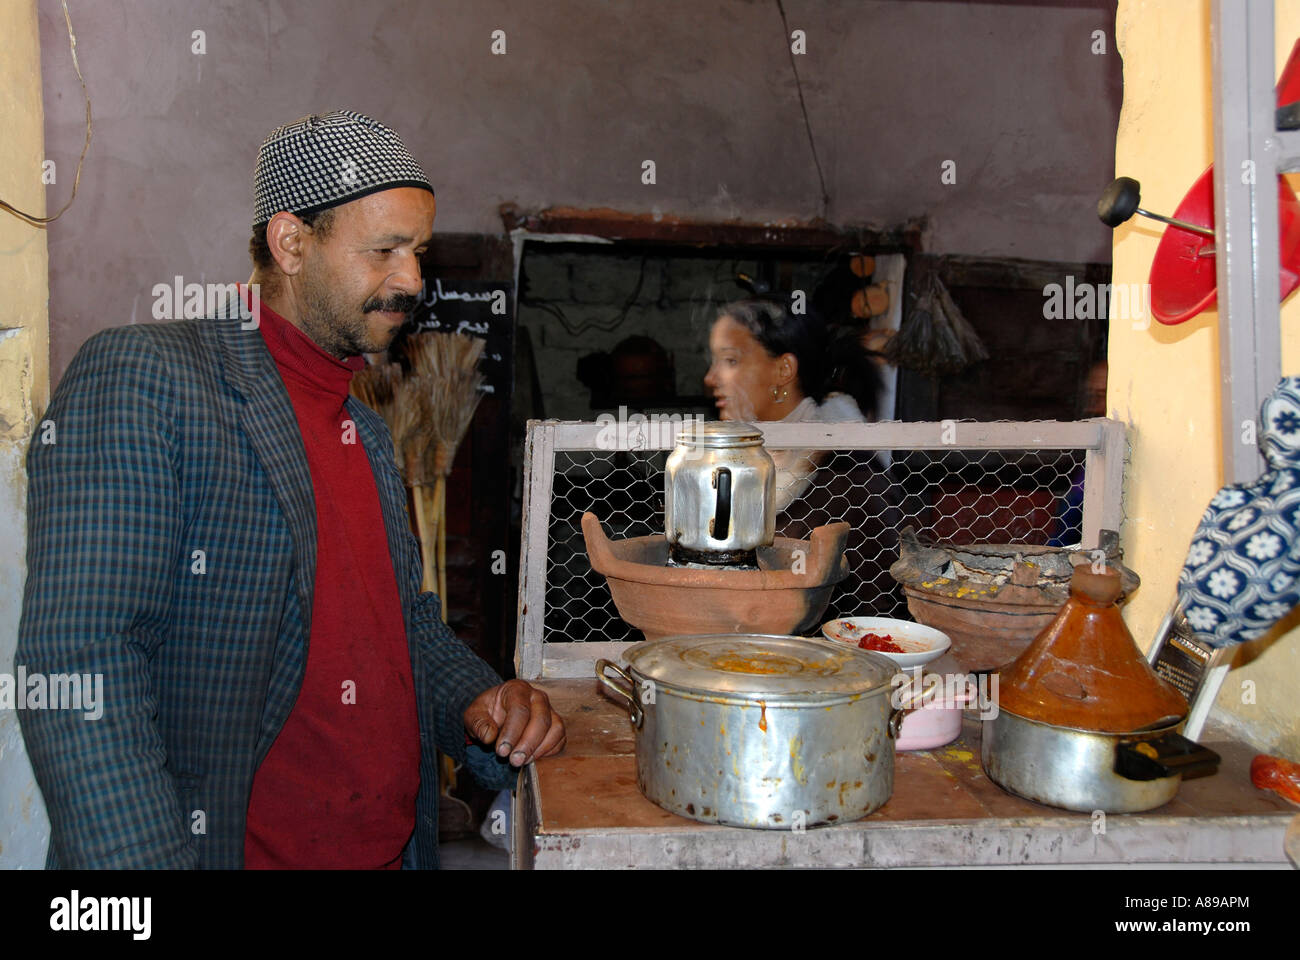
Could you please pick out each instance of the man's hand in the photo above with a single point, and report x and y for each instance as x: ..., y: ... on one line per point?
x: 517, y: 718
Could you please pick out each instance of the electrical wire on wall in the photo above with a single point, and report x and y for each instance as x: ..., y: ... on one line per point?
x: 826, y: 200
x: 723, y: 277
x: 605, y: 326
x: 76, y: 181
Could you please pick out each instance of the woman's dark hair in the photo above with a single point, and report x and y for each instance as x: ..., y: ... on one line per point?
x: 829, y: 360
x: 260, y: 251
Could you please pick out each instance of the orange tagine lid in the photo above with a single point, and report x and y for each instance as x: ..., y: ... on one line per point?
x: 1084, y: 670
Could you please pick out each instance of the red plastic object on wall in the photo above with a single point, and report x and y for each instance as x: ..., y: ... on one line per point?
x: 1182, y: 279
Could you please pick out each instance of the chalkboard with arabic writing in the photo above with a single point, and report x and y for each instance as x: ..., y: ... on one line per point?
x: 477, y: 308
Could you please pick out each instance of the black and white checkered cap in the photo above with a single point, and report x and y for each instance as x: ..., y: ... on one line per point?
x: 326, y: 159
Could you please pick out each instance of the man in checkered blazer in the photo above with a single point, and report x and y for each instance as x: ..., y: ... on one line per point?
x: 204, y: 535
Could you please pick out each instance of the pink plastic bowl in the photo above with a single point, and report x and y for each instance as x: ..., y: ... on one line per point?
x: 934, y: 723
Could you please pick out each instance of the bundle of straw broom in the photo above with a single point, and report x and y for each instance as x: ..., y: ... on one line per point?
x: 376, y: 387
x: 428, y: 412
x: 936, y: 338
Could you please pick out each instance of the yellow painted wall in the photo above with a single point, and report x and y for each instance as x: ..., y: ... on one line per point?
x: 24, y: 388
x: 1164, y: 381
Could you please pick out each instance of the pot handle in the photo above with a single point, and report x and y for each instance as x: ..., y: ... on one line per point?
x: 1161, y: 757
x: 634, y: 711
x: 895, y: 725
x: 720, y: 525
x: 910, y: 703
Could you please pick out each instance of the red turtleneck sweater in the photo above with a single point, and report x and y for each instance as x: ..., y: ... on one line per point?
x: 337, y: 789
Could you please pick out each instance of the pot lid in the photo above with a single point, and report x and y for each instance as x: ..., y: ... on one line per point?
x: 1084, y: 671
x: 756, y: 666
x: 719, y: 433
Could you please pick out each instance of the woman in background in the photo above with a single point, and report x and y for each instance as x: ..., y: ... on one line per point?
x: 769, y: 363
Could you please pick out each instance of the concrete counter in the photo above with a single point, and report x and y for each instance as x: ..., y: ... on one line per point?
x: 582, y: 809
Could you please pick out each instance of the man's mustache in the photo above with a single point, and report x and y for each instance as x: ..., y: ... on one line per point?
x: 397, y: 303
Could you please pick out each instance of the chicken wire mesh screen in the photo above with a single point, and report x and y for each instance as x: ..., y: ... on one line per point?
x: 955, y: 482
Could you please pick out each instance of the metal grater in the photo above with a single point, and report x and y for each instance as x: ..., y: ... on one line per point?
x: 1196, y: 670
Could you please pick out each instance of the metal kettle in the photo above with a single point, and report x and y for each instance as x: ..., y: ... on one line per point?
x: 719, y: 494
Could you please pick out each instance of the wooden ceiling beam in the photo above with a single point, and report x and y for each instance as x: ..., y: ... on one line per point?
x: 657, y: 228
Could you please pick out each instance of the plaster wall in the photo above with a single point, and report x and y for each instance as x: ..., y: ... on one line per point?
x: 1020, y: 97
x: 24, y: 390
x: 1164, y: 381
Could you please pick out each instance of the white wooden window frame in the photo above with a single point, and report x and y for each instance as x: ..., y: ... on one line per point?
x: 1102, y: 440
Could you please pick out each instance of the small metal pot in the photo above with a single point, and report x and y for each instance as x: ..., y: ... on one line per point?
x: 719, y: 494
x: 760, y: 731
x: 1086, y: 770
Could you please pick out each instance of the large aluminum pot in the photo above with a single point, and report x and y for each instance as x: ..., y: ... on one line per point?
x: 760, y: 731
x: 1086, y: 770
x: 719, y: 493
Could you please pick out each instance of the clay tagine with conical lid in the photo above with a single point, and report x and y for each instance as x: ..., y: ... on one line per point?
x: 1084, y: 670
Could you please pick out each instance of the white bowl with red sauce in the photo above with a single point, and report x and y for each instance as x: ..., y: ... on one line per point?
x: 916, y: 643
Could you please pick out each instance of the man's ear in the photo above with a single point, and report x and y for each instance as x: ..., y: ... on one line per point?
x: 285, y: 236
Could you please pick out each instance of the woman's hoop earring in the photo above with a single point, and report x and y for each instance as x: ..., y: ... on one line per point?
x: 779, y: 398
